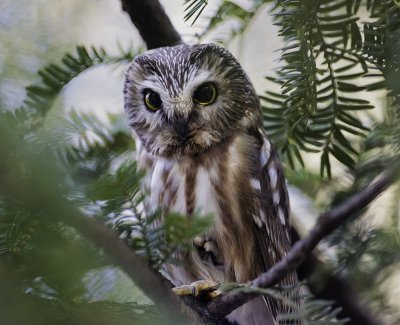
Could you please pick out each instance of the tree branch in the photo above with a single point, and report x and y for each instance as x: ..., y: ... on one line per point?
x: 152, y: 22
x: 45, y: 194
x: 325, y: 285
x: 156, y: 30
x: 148, y: 280
x: 326, y: 224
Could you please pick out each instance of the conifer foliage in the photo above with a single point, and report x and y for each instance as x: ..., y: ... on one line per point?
x: 335, y: 51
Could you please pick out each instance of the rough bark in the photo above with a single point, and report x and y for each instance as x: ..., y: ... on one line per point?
x: 151, y: 21
x: 326, y: 224
x: 325, y: 285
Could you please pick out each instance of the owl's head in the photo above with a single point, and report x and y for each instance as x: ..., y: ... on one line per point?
x: 183, y: 100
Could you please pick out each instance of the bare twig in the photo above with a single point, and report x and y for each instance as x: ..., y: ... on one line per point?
x: 153, y: 24
x: 326, y: 224
x: 328, y: 286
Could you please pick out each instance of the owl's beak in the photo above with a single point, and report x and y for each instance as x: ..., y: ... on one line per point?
x: 181, y: 128
x: 181, y: 125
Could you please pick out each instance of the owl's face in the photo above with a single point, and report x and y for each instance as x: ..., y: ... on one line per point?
x: 183, y: 100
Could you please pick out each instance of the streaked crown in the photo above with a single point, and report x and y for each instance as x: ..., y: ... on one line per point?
x: 182, y: 100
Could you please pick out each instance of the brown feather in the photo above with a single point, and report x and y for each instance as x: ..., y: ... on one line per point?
x: 222, y: 164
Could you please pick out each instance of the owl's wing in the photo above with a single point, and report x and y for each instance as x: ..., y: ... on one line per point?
x: 274, y: 202
x: 271, y: 217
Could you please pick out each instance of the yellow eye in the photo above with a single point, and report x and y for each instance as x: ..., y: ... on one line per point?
x: 205, y: 94
x: 152, y: 100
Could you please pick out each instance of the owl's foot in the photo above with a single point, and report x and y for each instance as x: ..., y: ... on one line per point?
x: 207, y: 248
x: 208, y: 245
x: 206, y: 288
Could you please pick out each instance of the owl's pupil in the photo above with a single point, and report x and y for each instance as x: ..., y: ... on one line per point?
x: 205, y: 94
x: 152, y: 100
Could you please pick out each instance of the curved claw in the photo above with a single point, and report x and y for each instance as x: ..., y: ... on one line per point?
x: 197, y: 288
x: 207, y: 249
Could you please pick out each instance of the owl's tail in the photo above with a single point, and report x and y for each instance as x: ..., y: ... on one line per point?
x: 264, y: 310
x: 255, y: 312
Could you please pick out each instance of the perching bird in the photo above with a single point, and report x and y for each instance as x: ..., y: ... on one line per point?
x: 200, y: 139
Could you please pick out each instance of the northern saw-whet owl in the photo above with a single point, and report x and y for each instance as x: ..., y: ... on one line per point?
x: 200, y: 140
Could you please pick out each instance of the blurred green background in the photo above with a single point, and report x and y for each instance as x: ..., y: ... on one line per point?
x: 84, y: 134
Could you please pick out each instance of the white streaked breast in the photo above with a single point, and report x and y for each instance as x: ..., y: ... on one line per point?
x: 205, y: 197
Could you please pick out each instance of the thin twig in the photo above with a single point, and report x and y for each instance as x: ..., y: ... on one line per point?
x: 326, y: 224
x: 326, y: 285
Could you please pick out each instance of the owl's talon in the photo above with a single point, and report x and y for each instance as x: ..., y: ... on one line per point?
x: 211, y: 247
x: 198, y: 288
x: 208, y: 246
x: 199, y: 241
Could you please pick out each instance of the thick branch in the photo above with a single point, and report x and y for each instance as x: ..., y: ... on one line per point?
x: 326, y: 224
x: 45, y: 194
x: 144, y: 277
x: 153, y: 24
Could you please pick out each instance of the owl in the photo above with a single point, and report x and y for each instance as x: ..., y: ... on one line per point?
x: 200, y: 140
